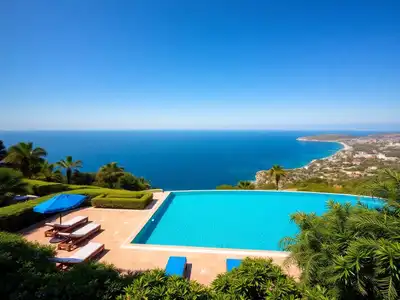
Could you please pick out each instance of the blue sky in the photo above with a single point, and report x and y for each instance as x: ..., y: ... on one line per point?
x: 148, y: 64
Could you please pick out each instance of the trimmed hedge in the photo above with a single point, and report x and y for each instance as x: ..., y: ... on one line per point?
x: 21, y: 215
x: 43, y: 188
x: 138, y: 201
x: 18, y: 216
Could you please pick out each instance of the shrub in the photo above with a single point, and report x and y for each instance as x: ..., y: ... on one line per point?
x: 83, y: 178
x: 226, y: 187
x: 26, y: 273
x: 43, y: 188
x: 256, y: 278
x: 155, y: 284
x: 266, y: 186
x: 18, y: 216
x: 11, y: 184
x: 132, y: 183
x: 138, y: 201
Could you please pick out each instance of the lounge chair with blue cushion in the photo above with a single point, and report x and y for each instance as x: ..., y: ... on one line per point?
x: 176, y: 265
x: 232, y: 263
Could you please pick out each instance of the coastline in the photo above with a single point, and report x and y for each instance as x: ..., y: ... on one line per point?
x: 302, y: 139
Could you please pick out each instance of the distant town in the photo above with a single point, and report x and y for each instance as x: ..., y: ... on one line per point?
x: 360, y: 157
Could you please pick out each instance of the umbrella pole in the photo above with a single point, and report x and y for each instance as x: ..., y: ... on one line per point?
x: 60, y: 217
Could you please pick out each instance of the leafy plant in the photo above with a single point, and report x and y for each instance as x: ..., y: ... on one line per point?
x: 353, y: 251
x: 256, y: 278
x: 83, y: 178
x: 277, y: 173
x: 26, y: 158
x: 11, y: 184
x: 109, y: 174
x: 246, y: 185
x: 3, y: 151
x: 130, y: 182
x: 69, y: 165
x: 48, y: 173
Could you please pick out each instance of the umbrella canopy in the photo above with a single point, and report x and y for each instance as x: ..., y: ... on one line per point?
x: 59, y: 203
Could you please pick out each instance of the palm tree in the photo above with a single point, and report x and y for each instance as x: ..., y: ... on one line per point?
x: 3, y: 150
x: 277, y: 172
x: 110, y: 173
x: 245, y: 185
x: 69, y: 165
x: 25, y: 158
x: 48, y: 173
x: 11, y: 184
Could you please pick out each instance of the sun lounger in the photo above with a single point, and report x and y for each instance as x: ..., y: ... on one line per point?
x: 232, y: 263
x: 77, y: 236
x: 85, y: 253
x: 66, y: 226
x: 176, y: 265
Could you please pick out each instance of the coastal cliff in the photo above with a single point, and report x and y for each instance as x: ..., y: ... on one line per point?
x: 360, y: 157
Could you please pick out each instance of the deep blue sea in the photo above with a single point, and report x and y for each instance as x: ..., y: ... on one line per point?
x: 180, y: 159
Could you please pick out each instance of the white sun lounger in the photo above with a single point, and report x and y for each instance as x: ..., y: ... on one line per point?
x: 87, y: 252
x: 66, y: 226
x: 77, y: 236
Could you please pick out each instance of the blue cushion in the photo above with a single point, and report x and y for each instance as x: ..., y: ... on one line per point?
x: 176, y: 265
x: 232, y: 263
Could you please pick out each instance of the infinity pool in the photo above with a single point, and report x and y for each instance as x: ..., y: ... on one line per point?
x: 255, y: 220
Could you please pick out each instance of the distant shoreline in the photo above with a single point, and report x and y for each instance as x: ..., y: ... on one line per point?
x: 303, y: 139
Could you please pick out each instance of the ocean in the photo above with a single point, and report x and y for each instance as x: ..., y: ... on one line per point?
x: 175, y: 160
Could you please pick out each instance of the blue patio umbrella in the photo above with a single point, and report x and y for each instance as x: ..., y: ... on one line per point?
x: 59, y: 203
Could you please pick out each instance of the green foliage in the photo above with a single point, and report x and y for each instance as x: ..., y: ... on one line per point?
x: 266, y: 186
x: 132, y: 183
x: 256, y: 278
x: 246, y: 185
x: 26, y: 158
x: 155, y: 284
x: 26, y: 273
x: 109, y: 174
x: 83, y: 178
x: 132, y: 201
x: 352, y: 251
x: 11, y: 184
x: 18, y: 216
x: 277, y: 172
x: 24, y: 266
x: 69, y: 165
x: 3, y: 151
x: 48, y: 173
x: 43, y: 188
x: 226, y: 187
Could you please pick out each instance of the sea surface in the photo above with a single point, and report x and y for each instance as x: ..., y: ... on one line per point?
x: 180, y: 159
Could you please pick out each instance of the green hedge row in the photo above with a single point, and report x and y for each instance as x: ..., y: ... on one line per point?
x: 21, y: 215
x: 43, y: 188
x: 138, y: 201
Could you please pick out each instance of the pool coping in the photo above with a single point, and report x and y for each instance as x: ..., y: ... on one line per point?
x: 210, y: 250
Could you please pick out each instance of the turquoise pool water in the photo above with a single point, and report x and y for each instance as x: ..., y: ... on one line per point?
x: 228, y: 219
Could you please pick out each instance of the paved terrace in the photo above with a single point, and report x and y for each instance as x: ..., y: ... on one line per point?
x: 119, y: 226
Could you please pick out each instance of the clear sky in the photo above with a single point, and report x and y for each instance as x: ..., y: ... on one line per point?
x: 147, y: 64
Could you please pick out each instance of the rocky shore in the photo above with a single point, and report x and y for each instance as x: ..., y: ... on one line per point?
x: 360, y: 157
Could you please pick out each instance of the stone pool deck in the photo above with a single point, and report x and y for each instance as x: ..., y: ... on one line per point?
x: 120, y: 226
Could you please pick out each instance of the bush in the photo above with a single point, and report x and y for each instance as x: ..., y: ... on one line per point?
x: 132, y: 183
x: 266, y: 186
x: 11, y: 184
x: 256, y: 278
x: 226, y: 187
x: 18, y: 216
x: 155, y: 284
x: 43, y: 188
x: 138, y: 201
x: 83, y: 178
x: 26, y: 273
